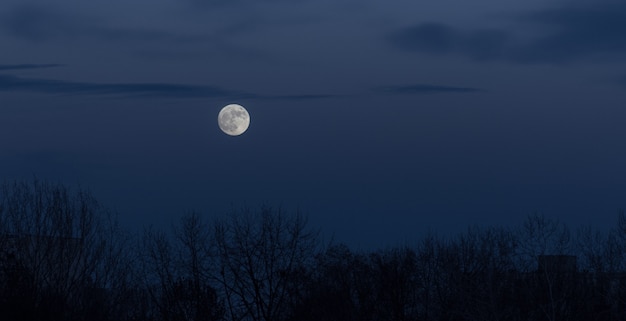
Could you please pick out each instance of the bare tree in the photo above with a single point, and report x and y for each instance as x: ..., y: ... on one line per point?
x: 194, y: 263
x: 396, y: 284
x: 65, y: 247
x: 177, y: 272
x: 429, y: 278
x: 550, y: 289
x: 541, y: 236
x: 260, y: 255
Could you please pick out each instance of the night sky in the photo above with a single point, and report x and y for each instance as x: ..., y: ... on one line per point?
x: 380, y: 120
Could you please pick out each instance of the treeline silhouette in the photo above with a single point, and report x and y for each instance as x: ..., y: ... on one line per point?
x: 64, y: 257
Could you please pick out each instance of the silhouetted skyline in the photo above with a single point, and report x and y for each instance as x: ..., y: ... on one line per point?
x: 64, y: 257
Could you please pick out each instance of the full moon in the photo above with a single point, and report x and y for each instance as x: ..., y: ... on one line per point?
x: 233, y: 119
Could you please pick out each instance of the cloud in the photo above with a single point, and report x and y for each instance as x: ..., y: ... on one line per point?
x: 234, y: 3
x: 41, y: 24
x: 14, y: 83
x: 424, y: 89
x: 565, y: 34
x: 28, y: 66
x: 580, y: 32
x: 302, y: 97
x: 433, y: 38
x: 436, y: 38
x: 11, y: 83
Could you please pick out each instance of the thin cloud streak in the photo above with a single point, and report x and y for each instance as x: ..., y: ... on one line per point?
x: 424, y: 89
x: 14, y: 83
x: 29, y: 66
x: 11, y: 83
x: 302, y: 97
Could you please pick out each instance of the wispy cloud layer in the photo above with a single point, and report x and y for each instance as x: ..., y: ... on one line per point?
x: 28, y: 66
x: 12, y: 83
x: 436, y: 38
x: 302, y: 97
x: 227, y: 3
x: 566, y: 33
x: 37, y: 23
x: 424, y: 89
x: 580, y: 32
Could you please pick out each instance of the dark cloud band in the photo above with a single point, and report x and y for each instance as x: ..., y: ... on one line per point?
x: 14, y: 83
x: 11, y: 83
x: 566, y: 33
x: 28, y: 66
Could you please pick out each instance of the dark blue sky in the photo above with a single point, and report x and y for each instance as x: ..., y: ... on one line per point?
x: 379, y: 119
